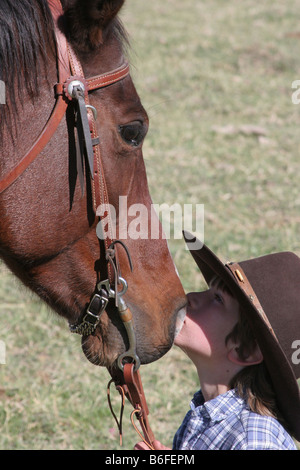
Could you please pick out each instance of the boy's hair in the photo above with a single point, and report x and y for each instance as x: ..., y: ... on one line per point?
x: 252, y: 383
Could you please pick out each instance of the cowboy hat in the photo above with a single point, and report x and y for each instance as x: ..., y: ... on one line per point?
x: 267, y: 289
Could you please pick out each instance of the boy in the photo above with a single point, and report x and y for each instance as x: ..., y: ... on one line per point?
x: 242, y: 336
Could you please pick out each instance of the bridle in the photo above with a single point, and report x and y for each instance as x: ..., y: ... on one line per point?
x: 73, y: 87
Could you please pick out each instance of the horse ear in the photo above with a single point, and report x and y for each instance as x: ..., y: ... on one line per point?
x: 87, y: 19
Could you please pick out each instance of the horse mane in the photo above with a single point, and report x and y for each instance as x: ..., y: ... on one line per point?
x: 26, y: 31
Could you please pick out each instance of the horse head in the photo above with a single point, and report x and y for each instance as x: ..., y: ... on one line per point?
x: 48, y: 226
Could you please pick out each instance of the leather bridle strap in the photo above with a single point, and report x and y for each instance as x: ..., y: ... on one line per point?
x: 129, y: 385
x: 137, y: 398
x: 87, y: 115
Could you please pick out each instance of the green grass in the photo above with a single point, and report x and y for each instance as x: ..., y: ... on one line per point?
x: 203, y: 70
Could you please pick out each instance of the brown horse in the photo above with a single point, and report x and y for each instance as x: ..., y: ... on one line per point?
x: 47, y: 226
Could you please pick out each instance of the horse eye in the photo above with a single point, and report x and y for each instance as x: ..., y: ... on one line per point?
x: 133, y: 134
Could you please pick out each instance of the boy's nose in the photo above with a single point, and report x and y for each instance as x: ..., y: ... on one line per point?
x: 196, y: 299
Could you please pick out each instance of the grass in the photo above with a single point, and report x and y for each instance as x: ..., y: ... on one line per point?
x: 215, y: 78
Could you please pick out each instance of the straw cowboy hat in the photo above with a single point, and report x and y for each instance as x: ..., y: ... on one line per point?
x: 268, y: 290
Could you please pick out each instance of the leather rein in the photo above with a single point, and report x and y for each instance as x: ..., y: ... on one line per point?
x: 72, y: 86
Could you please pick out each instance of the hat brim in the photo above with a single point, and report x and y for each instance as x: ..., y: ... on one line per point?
x: 281, y: 373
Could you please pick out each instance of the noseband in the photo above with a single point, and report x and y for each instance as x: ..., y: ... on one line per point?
x: 72, y: 86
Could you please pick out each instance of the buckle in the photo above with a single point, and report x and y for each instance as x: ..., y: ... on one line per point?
x: 89, y: 322
x: 95, y: 310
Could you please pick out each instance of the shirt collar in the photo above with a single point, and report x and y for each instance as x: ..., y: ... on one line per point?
x: 217, y: 408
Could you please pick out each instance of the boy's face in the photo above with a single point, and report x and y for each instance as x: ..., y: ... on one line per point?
x: 211, y: 316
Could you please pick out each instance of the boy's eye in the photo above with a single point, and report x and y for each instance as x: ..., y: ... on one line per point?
x: 219, y: 298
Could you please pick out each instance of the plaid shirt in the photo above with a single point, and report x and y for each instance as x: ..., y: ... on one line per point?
x: 226, y: 423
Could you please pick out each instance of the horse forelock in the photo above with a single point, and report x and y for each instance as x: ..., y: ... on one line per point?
x: 26, y: 30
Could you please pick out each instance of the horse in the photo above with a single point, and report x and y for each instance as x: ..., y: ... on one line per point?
x: 49, y: 225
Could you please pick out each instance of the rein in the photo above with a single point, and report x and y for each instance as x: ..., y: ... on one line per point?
x: 72, y: 86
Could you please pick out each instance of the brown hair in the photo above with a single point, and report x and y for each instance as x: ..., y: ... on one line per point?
x: 252, y: 383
